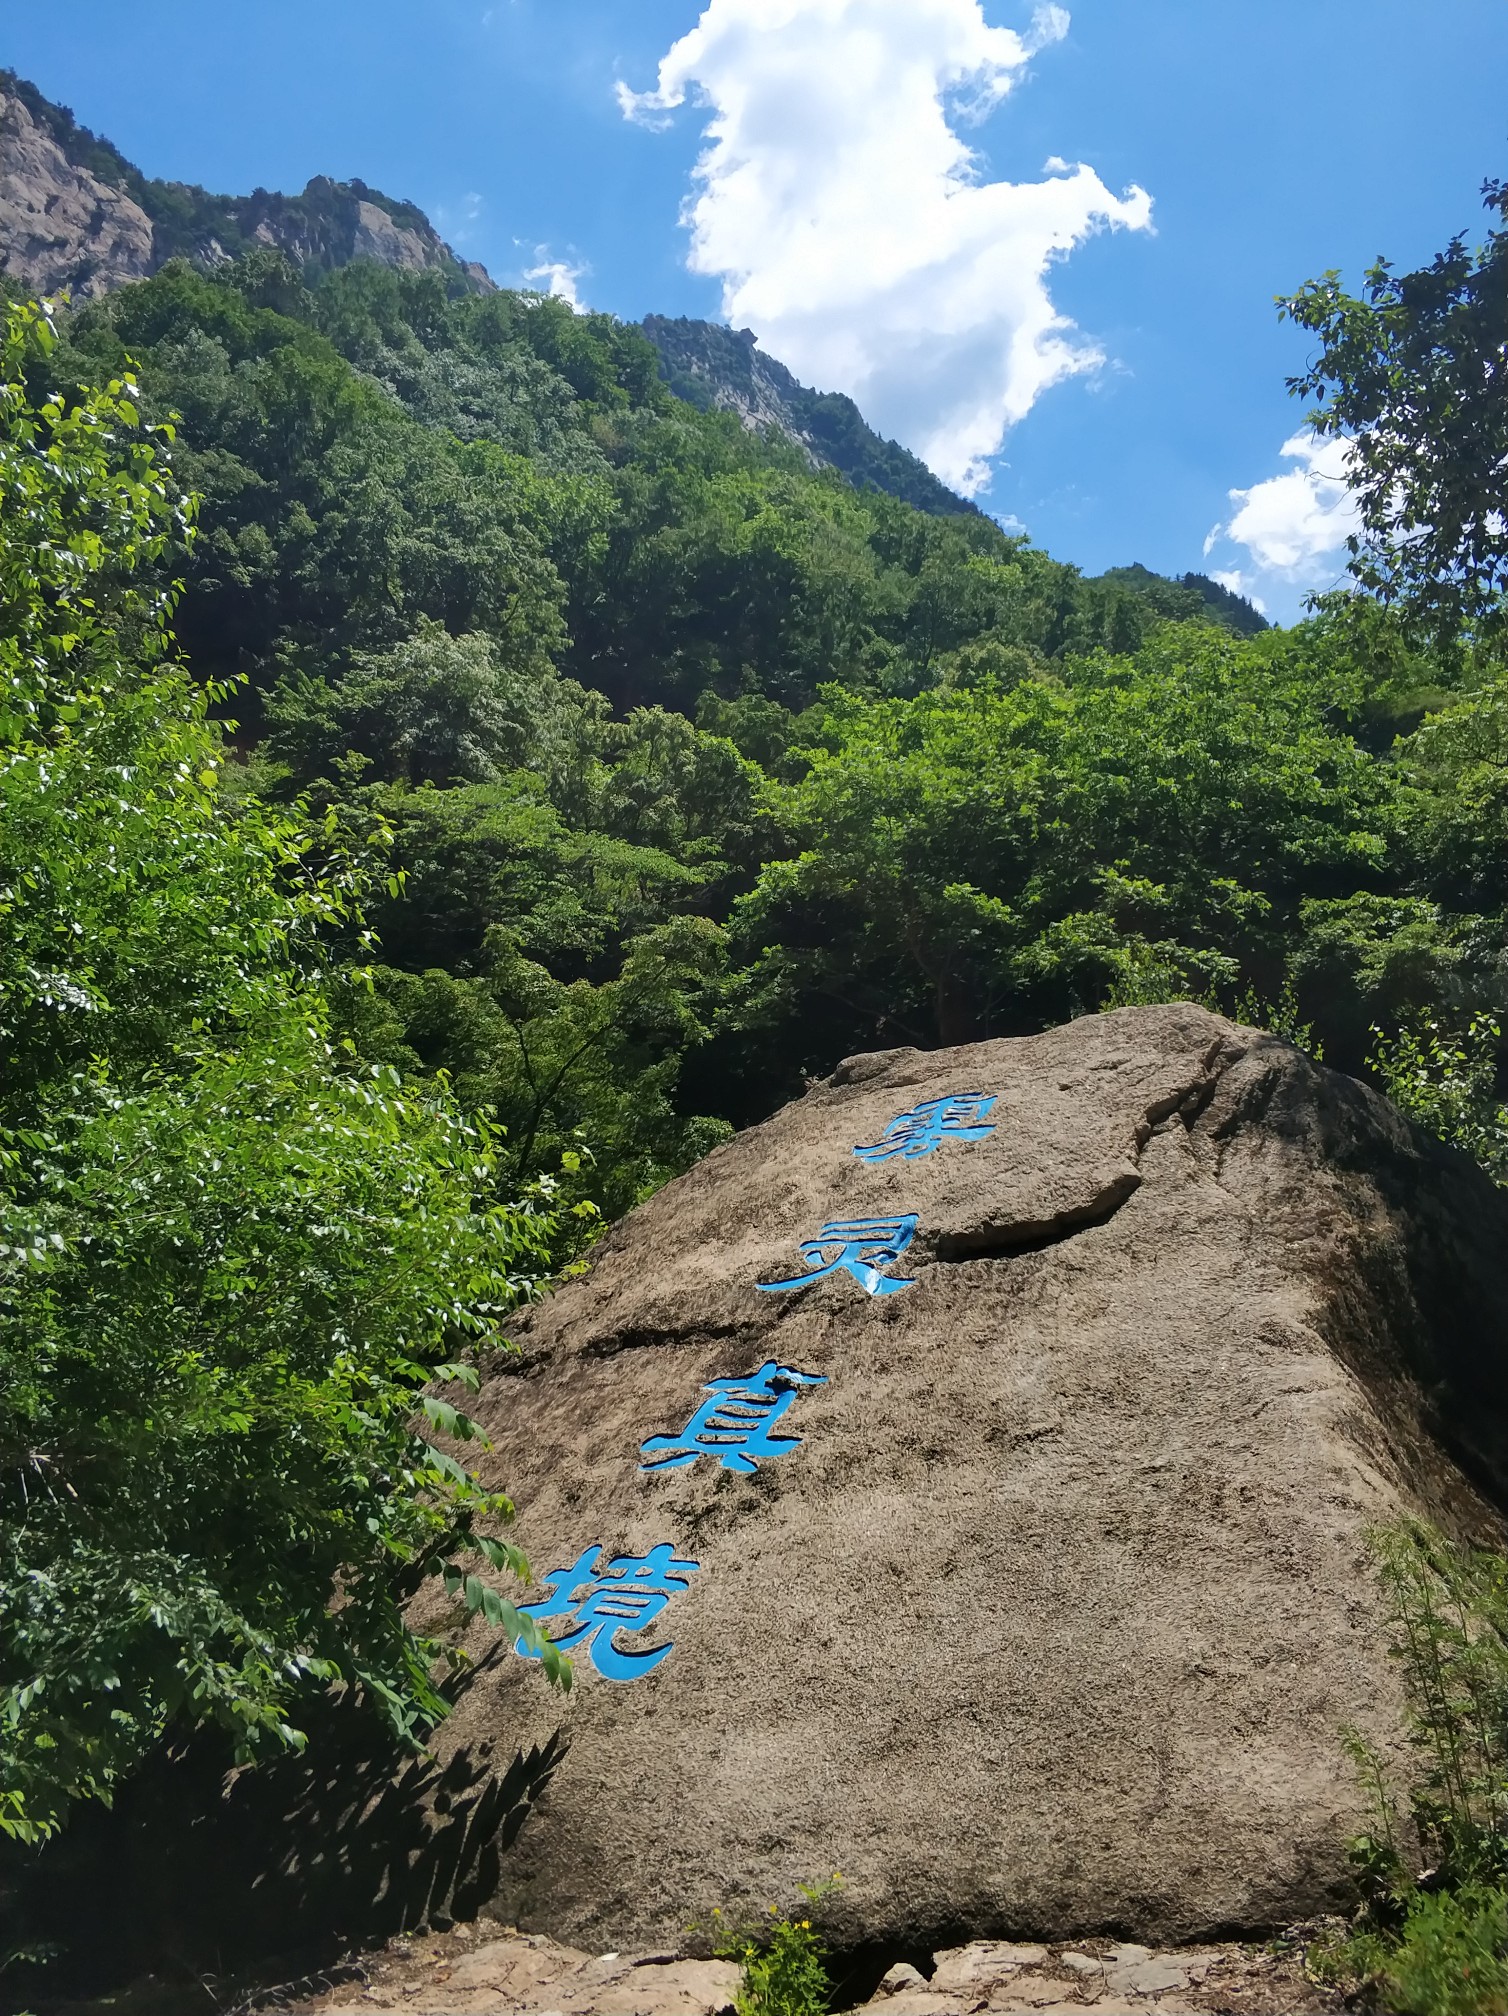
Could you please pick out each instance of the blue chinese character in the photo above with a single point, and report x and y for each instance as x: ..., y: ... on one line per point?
x: 735, y: 1424
x: 623, y: 1598
x: 863, y: 1248
x: 926, y: 1127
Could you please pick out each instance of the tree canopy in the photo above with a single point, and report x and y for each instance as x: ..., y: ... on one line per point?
x: 1413, y: 374
x: 232, y: 1252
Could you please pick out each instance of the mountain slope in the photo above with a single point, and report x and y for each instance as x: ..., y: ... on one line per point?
x: 715, y: 367
x: 1193, y: 595
x: 76, y: 216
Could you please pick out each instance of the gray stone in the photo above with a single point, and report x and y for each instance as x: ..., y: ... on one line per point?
x: 981, y: 1962
x: 901, y: 1975
x: 60, y: 226
x: 1081, y: 1963
x: 919, y: 2002
x: 963, y: 1642
x: 1148, y: 1977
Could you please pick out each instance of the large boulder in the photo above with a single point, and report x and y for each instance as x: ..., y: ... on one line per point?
x: 1045, y: 1611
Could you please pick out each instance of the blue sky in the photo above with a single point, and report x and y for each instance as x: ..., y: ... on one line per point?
x: 1208, y: 156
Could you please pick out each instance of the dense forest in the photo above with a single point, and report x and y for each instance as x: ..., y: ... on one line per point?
x: 451, y: 782
x: 617, y: 676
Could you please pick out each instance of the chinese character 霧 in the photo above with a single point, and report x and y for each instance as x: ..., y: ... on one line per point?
x: 960, y: 1117
x: 861, y: 1248
x: 607, y: 1603
x: 735, y: 1423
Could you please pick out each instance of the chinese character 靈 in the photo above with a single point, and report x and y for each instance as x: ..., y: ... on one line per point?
x: 735, y: 1424
x: 607, y: 1603
x: 960, y: 1117
x: 861, y: 1248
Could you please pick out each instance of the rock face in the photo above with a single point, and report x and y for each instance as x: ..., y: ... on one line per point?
x: 376, y: 236
x: 61, y: 226
x: 75, y: 216
x: 1047, y: 1616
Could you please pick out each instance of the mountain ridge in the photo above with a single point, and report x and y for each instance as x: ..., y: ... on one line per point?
x: 716, y: 367
x: 78, y: 217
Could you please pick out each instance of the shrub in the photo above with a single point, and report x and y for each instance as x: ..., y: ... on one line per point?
x: 1447, y: 1083
x: 784, y: 1960
x: 1436, y: 1943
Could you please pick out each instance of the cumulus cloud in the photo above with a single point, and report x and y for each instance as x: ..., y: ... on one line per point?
x: 851, y: 225
x: 556, y: 276
x: 1295, y: 525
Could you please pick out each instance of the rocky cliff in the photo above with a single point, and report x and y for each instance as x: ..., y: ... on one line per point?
x: 76, y: 216
x: 62, y: 227
x: 712, y: 366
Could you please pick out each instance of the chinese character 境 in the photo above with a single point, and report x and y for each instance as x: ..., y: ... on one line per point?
x: 607, y: 1603
x: 735, y: 1424
x: 960, y: 1117
x: 861, y: 1248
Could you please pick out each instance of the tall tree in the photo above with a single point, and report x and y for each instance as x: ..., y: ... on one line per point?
x: 1414, y: 373
x: 232, y: 1260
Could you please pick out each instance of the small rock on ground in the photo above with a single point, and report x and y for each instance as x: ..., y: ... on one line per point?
x: 487, y: 1970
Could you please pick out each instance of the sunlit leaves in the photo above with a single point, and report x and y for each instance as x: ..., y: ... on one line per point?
x: 1414, y: 373
x: 231, y: 1253
x: 994, y: 857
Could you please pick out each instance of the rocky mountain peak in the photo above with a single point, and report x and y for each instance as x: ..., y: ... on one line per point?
x: 61, y: 226
x: 76, y: 216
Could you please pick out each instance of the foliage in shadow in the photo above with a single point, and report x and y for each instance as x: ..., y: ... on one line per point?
x: 201, y: 1870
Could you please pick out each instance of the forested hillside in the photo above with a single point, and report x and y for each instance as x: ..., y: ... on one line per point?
x: 619, y: 674
x: 556, y: 775
x: 715, y: 367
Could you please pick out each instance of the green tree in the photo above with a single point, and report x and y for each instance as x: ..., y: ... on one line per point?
x: 232, y: 1259
x: 435, y: 709
x: 988, y: 859
x: 582, y: 1076
x: 1414, y: 373
x: 1447, y: 1082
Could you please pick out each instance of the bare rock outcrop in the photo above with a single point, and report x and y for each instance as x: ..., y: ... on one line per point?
x: 76, y: 217
x: 376, y: 236
x: 60, y: 226
x: 1033, y: 1594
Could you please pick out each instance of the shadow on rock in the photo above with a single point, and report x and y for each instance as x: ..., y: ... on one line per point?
x: 201, y: 1870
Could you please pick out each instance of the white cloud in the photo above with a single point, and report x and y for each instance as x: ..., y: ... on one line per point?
x: 849, y: 221
x: 1238, y: 584
x: 556, y: 276
x: 1295, y: 525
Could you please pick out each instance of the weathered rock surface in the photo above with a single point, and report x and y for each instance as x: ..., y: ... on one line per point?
x: 60, y: 226
x: 1050, y: 1624
x: 76, y: 217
